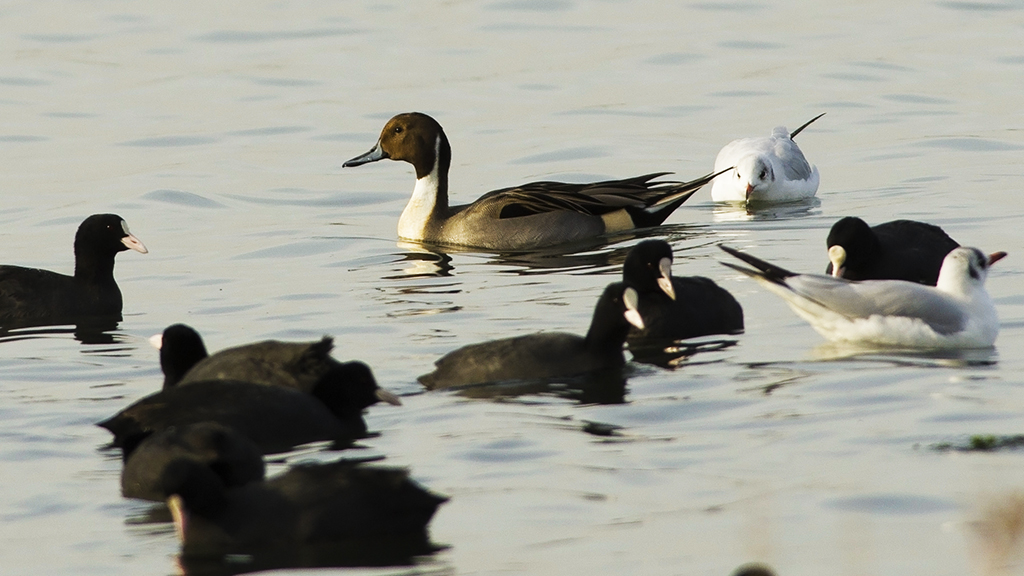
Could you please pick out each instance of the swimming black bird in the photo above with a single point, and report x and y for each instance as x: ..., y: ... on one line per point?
x: 674, y: 307
x: 304, y: 366
x: 229, y: 454
x: 274, y: 417
x: 30, y: 296
x: 545, y: 354
x: 349, y: 509
x: 897, y: 250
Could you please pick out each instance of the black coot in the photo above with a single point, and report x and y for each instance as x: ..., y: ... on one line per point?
x: 30, y: 296
x: 232, y: 456
x: 897, y: 250
x: 674, y: 307
x: 546, y: 354
x: 346, y: 387
x: 349, y: 507
x: 276, y: 418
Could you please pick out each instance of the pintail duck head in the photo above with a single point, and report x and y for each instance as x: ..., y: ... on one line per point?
x: 412, y: 137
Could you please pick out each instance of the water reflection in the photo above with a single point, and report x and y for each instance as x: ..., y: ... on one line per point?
x: 959, y: 358
x: 421, y: 260
x: 93, y: 331
x: 673, y: 353
x: 737, y: 212
x: 394, y: 551
x: 605, y: 387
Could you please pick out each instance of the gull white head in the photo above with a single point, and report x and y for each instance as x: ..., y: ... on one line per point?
x: 965, y: 270
x: 754, y: 173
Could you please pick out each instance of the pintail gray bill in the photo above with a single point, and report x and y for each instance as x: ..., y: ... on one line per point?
x: 526, y: 217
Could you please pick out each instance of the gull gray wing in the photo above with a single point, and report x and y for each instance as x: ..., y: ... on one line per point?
x: 882, y: 297
x: 793, y: 162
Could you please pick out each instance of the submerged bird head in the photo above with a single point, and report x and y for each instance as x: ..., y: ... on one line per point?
x: 850, y: 242
x: 965, y: 269
x: 411, y: 137
x: 648, y: 267
x: 756, y: 174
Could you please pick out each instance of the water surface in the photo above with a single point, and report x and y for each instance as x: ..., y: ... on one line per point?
x: 218, y: 130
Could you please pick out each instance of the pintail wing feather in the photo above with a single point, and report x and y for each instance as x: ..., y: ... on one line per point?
x: 593, y: 199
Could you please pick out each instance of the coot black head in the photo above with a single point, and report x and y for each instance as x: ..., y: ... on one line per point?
x: 648, y: 268
x: 851, y: 243
x: 199, y: 488
x: 98, y: 239
x: 615, y: 312
x: 181, y: 348
x: 349, y: 388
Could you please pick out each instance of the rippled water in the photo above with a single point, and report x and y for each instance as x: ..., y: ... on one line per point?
x: 218, y: 130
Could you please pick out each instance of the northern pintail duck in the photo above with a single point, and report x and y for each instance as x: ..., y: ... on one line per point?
x: 955, y: 313
x: 545, y: 355
x: 674, y: 307
x: 897, y: 250
x: 33, y: 296
x: 771, y: 169
x: 523, y: 217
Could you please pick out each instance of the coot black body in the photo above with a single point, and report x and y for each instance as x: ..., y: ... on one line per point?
x: 897, y: 250
x: 229, y: 454
x: 347, y: 388
x: 545, y: 354
x: 350, y: 507
x: 275, y: 418
x: 31, y: 296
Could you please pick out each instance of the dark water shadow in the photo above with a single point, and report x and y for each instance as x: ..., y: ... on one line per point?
x: 604, y: 387
x: 671, y: 354
x: 591, y: 256
x: 393, y: 551
x: 101, y: 330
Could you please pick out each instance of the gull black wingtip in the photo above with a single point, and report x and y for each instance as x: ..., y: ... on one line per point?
x: 768, y: 270
x: 375, y: 153
x: 747, y: 271
x: 805, y: 125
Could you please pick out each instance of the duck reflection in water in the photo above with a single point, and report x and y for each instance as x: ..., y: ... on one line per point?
x: 424, y: 260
